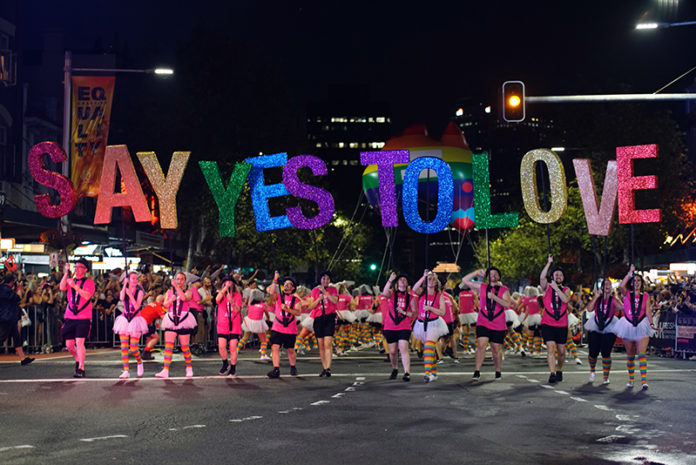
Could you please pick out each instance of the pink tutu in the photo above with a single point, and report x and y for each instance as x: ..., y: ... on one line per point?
x: 436, y: 329
x: 188, y: 322
x: 254, y: 326
x: 626, y: 330
x: 135, y: 327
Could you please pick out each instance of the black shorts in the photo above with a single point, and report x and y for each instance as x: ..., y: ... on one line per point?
x: 73, y: 329
x: 393, y: 336
x: 150, y: 330
x: 494, y: 336
x: 183, y: 331
x: 9, y: 330
x: 284, y: 340
x: 229, y: 337
x: 452, y: 326
x: 557, y: 334
x: 325, y: 325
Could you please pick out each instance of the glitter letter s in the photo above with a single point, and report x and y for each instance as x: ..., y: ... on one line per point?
x: 557, y: 181
x: 445, y: 192
x: 482, y: 198
x: 598, y: 220
x: 118, y: 156
x: 260, y: 192
x: 51, y: 179
x: 385, y: 162
x: 628, y: 184
x: 304, y: 191
x: 165, y: 188
x: 225, y: 198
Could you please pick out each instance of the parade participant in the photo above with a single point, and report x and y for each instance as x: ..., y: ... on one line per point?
x: 284, y: 329
x: 554, y: 320
x: 152, y: 312
x: 255, y: 321
x: 490, y: 324
x: 345, y: 319
x: 448, y: 343
x: 178, y: 321
x: 130, y: 324
x: 229, y: 324
x: 324, y: 302
x: 363, y: 303
x: 10, y: 313
x: 531, y: 321
x: 305, y: 339
x: 397, y: 323
x: 600, y: 326
x: 78, y: 313
x: 467, y: 316
x: 635, y: 327
x: 430, y: 326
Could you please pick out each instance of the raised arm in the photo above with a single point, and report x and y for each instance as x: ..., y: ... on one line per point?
x: 629, y: 275
x: 417, y: 287
x: 543, y: 282
x: 387, y: 290
x: 468, y: 280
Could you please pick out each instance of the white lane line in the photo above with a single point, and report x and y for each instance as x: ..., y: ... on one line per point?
x: 102, y: 438
x: 320, y: 402
x: 253, y: 417
x: 611, y: 438
x: 349, y: 389
x: 578, y: 399
x: 338, y: 396
x: 358, y: 383
x: 23, y: 446
x: 561, y: 392
x: 522, y: 376
x: 603, y: 407
x: 627, y: 417
x: 187, y: 427
x: 546, y: 386
x: 532, y: 380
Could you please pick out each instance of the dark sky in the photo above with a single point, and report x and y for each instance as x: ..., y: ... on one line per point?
x: 420, y: 57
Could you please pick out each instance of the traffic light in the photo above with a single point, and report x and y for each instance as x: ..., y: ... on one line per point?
x: 513, y: 101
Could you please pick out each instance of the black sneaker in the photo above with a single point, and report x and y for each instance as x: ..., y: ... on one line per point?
x: 406, y: 377
x: 426, y: 379
x: 477, y: 375
x: 498, y: 375
x: 419, y: 353
x: 79, y: 373
x: 552, y: 378
x: 147, y: 355
x: 328, y: 372
x: 233, y: 370
x: 393, y: 374
x: 293, y: 371
x: 559, y: 376
x: 223, y: 370
x: 322, y: 374
x: 26, y: 361
x: 274, y: 373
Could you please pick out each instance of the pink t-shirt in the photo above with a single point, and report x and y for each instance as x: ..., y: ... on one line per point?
x: 466, y: 301
x: 343, y: 302
x: 79, y: 308
x: 531, y: 304
x: 285, y: 322
x: 433, y: 300
x: 642, y: 310
x: 548, y: 317
x: 177, y: 307
x: 393, y: 320
x: 364, y: 302
x: 229, y: 318
x: 195, y: 302
x: 328, y: 307
x: 493, y: 319
x: 449, y: 314
x: 255, y: 311
x: 604, y: 310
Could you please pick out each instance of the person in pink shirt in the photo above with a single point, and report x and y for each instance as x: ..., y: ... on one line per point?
x: 397, y: 322
x: 324, y: 300
x: 363, y: 303
x: 178, y: 322
x: 494, y: 298
x: 78, y: 314
x: 284, y: 329
x: 554, y: 319
x: 429, y: 326
x: 635, y: 327
x: 130, y: 324
x: 531, y: 321
x: 600, y: 326
x: 255, y: 321
x: 467, y: 316
x: 448, y: 343
x: 229, y: 324
x: 345, y: 318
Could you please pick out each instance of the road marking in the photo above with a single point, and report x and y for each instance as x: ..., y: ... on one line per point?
x: 320, y: 402
x: 611, y: 438
x: 253, y: 417
x: 187, y: 427
x: 349, y: 389
x: 627, y: 417
x: 532, y: 380
x: 522, y: 376
x: 290, y: 411
x: 546, y: 386
x: 101, y: 438
x: 23, y: 446
x: 579, y: 399
x: 561, y: 392
x: 603, y: 407
x: 338, y: 396
x: 360, y: 378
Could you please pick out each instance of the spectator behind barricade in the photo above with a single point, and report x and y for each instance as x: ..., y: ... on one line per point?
x: 9, y: 315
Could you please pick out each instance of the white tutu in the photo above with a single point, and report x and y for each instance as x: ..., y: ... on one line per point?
x: 375, y: 318
x: 532, y: 320
x: 591, y: 324
x: 436, y: 329
x: 254, y: 326
x: 468, y: 318
x: 308, y: 323
x: 188, y: 322
x: 347, y: 316
x: 572, y: 319
x: 361, y: 314
x: 135, y: 327
x: 512, y: 317
x: 625, y: 330
x: 302, y: 316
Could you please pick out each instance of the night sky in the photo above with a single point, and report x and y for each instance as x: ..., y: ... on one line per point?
x: 418, y: 57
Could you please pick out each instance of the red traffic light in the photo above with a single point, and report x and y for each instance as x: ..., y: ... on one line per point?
x: 513, y: 101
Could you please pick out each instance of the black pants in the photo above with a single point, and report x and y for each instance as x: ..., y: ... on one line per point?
x: 599, y: 342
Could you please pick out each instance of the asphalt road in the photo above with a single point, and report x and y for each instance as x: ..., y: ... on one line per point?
x: 356, y: 416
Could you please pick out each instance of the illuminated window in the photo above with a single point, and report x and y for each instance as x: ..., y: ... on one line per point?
x: 318, y: 145
x: 363, y: 145
x: 370, y: 119
x: 376, y: 145
x: 380, y: 119
x: 353, y: 145
x: 341, y: 145
x: 354, y: 163
x: 326, y: 127
x: 334, y: 162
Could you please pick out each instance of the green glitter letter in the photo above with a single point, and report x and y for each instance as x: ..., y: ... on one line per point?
x: 482, y: 198
x: 225, y: 198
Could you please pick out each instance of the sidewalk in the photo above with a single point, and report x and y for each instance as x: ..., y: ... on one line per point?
x: 12, y: 358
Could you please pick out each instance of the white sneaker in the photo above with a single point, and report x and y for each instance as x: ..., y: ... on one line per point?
x: 163, y: 374
x: 644, y: 386
x: 141, y: 370
x: 629, y: 384
x: 432, y: 377
x: 189, y: 372
x: 578, y: 361
x: 592, y: 376
x: 125, y: 374
x: 606, y: 381
x: 265, y: 358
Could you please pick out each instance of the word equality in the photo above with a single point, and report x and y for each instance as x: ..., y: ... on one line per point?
x: 619, y: 183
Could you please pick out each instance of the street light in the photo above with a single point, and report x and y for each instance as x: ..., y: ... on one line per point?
x: 660, y: 25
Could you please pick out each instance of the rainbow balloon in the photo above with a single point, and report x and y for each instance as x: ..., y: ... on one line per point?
x: 453, y: 149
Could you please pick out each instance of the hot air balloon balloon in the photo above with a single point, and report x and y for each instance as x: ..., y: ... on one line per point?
x: 453, y: 149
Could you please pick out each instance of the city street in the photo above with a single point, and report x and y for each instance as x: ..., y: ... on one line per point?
x: 356, y: 416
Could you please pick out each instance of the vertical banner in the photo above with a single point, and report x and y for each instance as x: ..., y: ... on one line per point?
x: 92, y: 97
